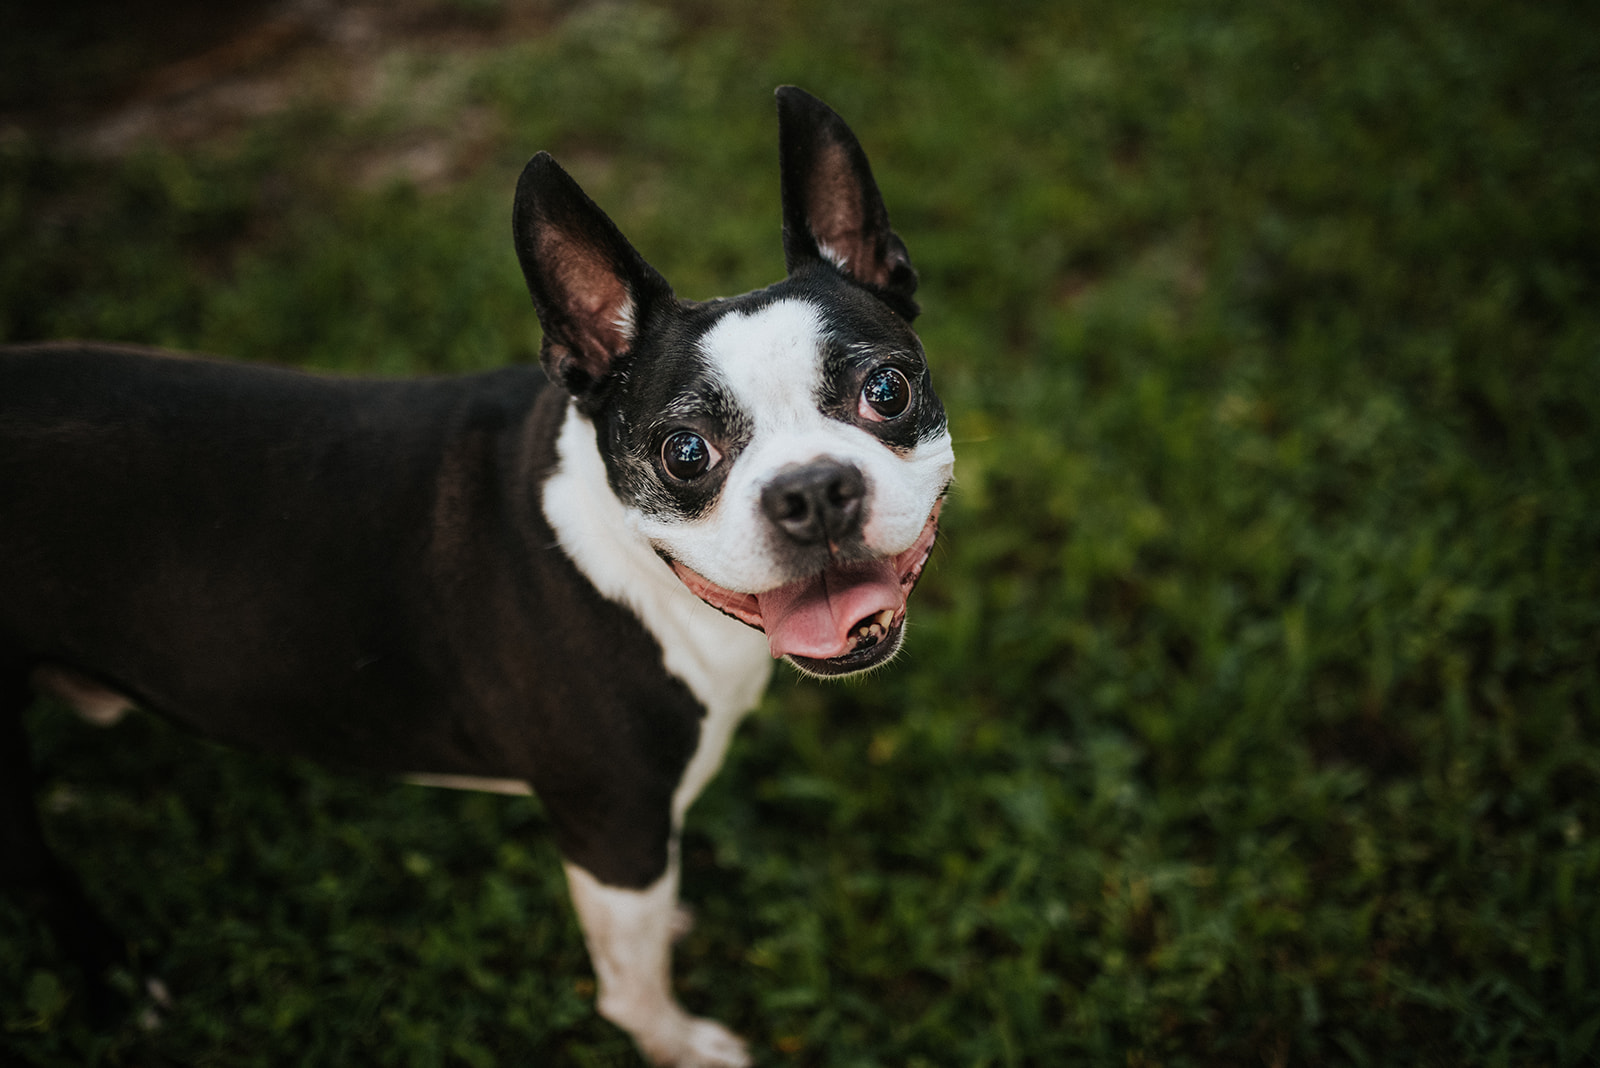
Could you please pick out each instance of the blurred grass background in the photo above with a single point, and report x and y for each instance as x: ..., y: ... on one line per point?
x: 1251, y: 711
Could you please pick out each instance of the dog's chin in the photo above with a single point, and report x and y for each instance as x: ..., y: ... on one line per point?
x: 846, y: 618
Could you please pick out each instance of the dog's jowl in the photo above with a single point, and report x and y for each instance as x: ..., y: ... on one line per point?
x: 574, y: 589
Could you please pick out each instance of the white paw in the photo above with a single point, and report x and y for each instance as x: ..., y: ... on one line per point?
x: 710, y: 1045
x: 694, y: 1043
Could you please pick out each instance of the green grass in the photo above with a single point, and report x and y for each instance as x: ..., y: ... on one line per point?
x: 1251, y: 709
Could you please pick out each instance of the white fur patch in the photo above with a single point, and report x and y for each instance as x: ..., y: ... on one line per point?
x: 99, y: 705
x: 833, y: 256
x: 771, y: 362
x: 622, y: 318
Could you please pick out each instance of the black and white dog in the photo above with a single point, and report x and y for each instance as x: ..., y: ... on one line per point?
x: 488, y: 581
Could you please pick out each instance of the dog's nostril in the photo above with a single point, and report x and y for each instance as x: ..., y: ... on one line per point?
x: 847, y: 488
x: 792, y: 506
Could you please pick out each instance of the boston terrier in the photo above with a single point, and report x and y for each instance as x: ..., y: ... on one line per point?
x: 571, y: 583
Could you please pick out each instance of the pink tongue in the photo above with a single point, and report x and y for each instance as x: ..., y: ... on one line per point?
x: 813, y: 617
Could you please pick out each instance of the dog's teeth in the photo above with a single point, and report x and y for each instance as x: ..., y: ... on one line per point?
x: 870, y: 632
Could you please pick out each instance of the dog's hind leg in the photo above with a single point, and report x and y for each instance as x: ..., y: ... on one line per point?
x: 30, y: 871
x: 630, y: 934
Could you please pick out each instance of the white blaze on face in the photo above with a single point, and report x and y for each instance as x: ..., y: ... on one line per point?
x: 770, y: 362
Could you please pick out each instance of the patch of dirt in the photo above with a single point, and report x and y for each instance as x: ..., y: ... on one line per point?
x: 180, y: 73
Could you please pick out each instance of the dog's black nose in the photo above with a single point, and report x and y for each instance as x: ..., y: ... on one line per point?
x: 816, y: 502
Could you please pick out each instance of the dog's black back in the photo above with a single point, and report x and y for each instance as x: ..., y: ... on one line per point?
x: 400, y: 638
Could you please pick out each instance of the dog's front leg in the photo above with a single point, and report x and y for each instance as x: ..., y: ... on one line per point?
x: 630, y: 934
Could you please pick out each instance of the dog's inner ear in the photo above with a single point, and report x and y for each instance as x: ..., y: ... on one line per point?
x: 591, y: 313
x: 592, y: 290
x: 838, y: 219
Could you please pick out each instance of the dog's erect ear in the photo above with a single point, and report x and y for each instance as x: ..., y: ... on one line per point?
x: 831, y: 207
x: 592, y: 291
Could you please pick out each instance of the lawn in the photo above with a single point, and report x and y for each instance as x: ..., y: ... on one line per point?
x: 1251, y: 707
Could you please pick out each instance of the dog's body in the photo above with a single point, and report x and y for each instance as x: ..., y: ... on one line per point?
x: 494, y: 580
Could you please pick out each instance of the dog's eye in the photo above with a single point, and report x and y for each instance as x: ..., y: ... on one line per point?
x: 885, y: 395
x: 686, y: 455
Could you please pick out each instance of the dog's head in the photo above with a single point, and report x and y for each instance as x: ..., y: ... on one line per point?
x: 783, y: 451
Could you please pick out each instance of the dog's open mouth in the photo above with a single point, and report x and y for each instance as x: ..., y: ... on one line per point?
x: 845, y: 618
